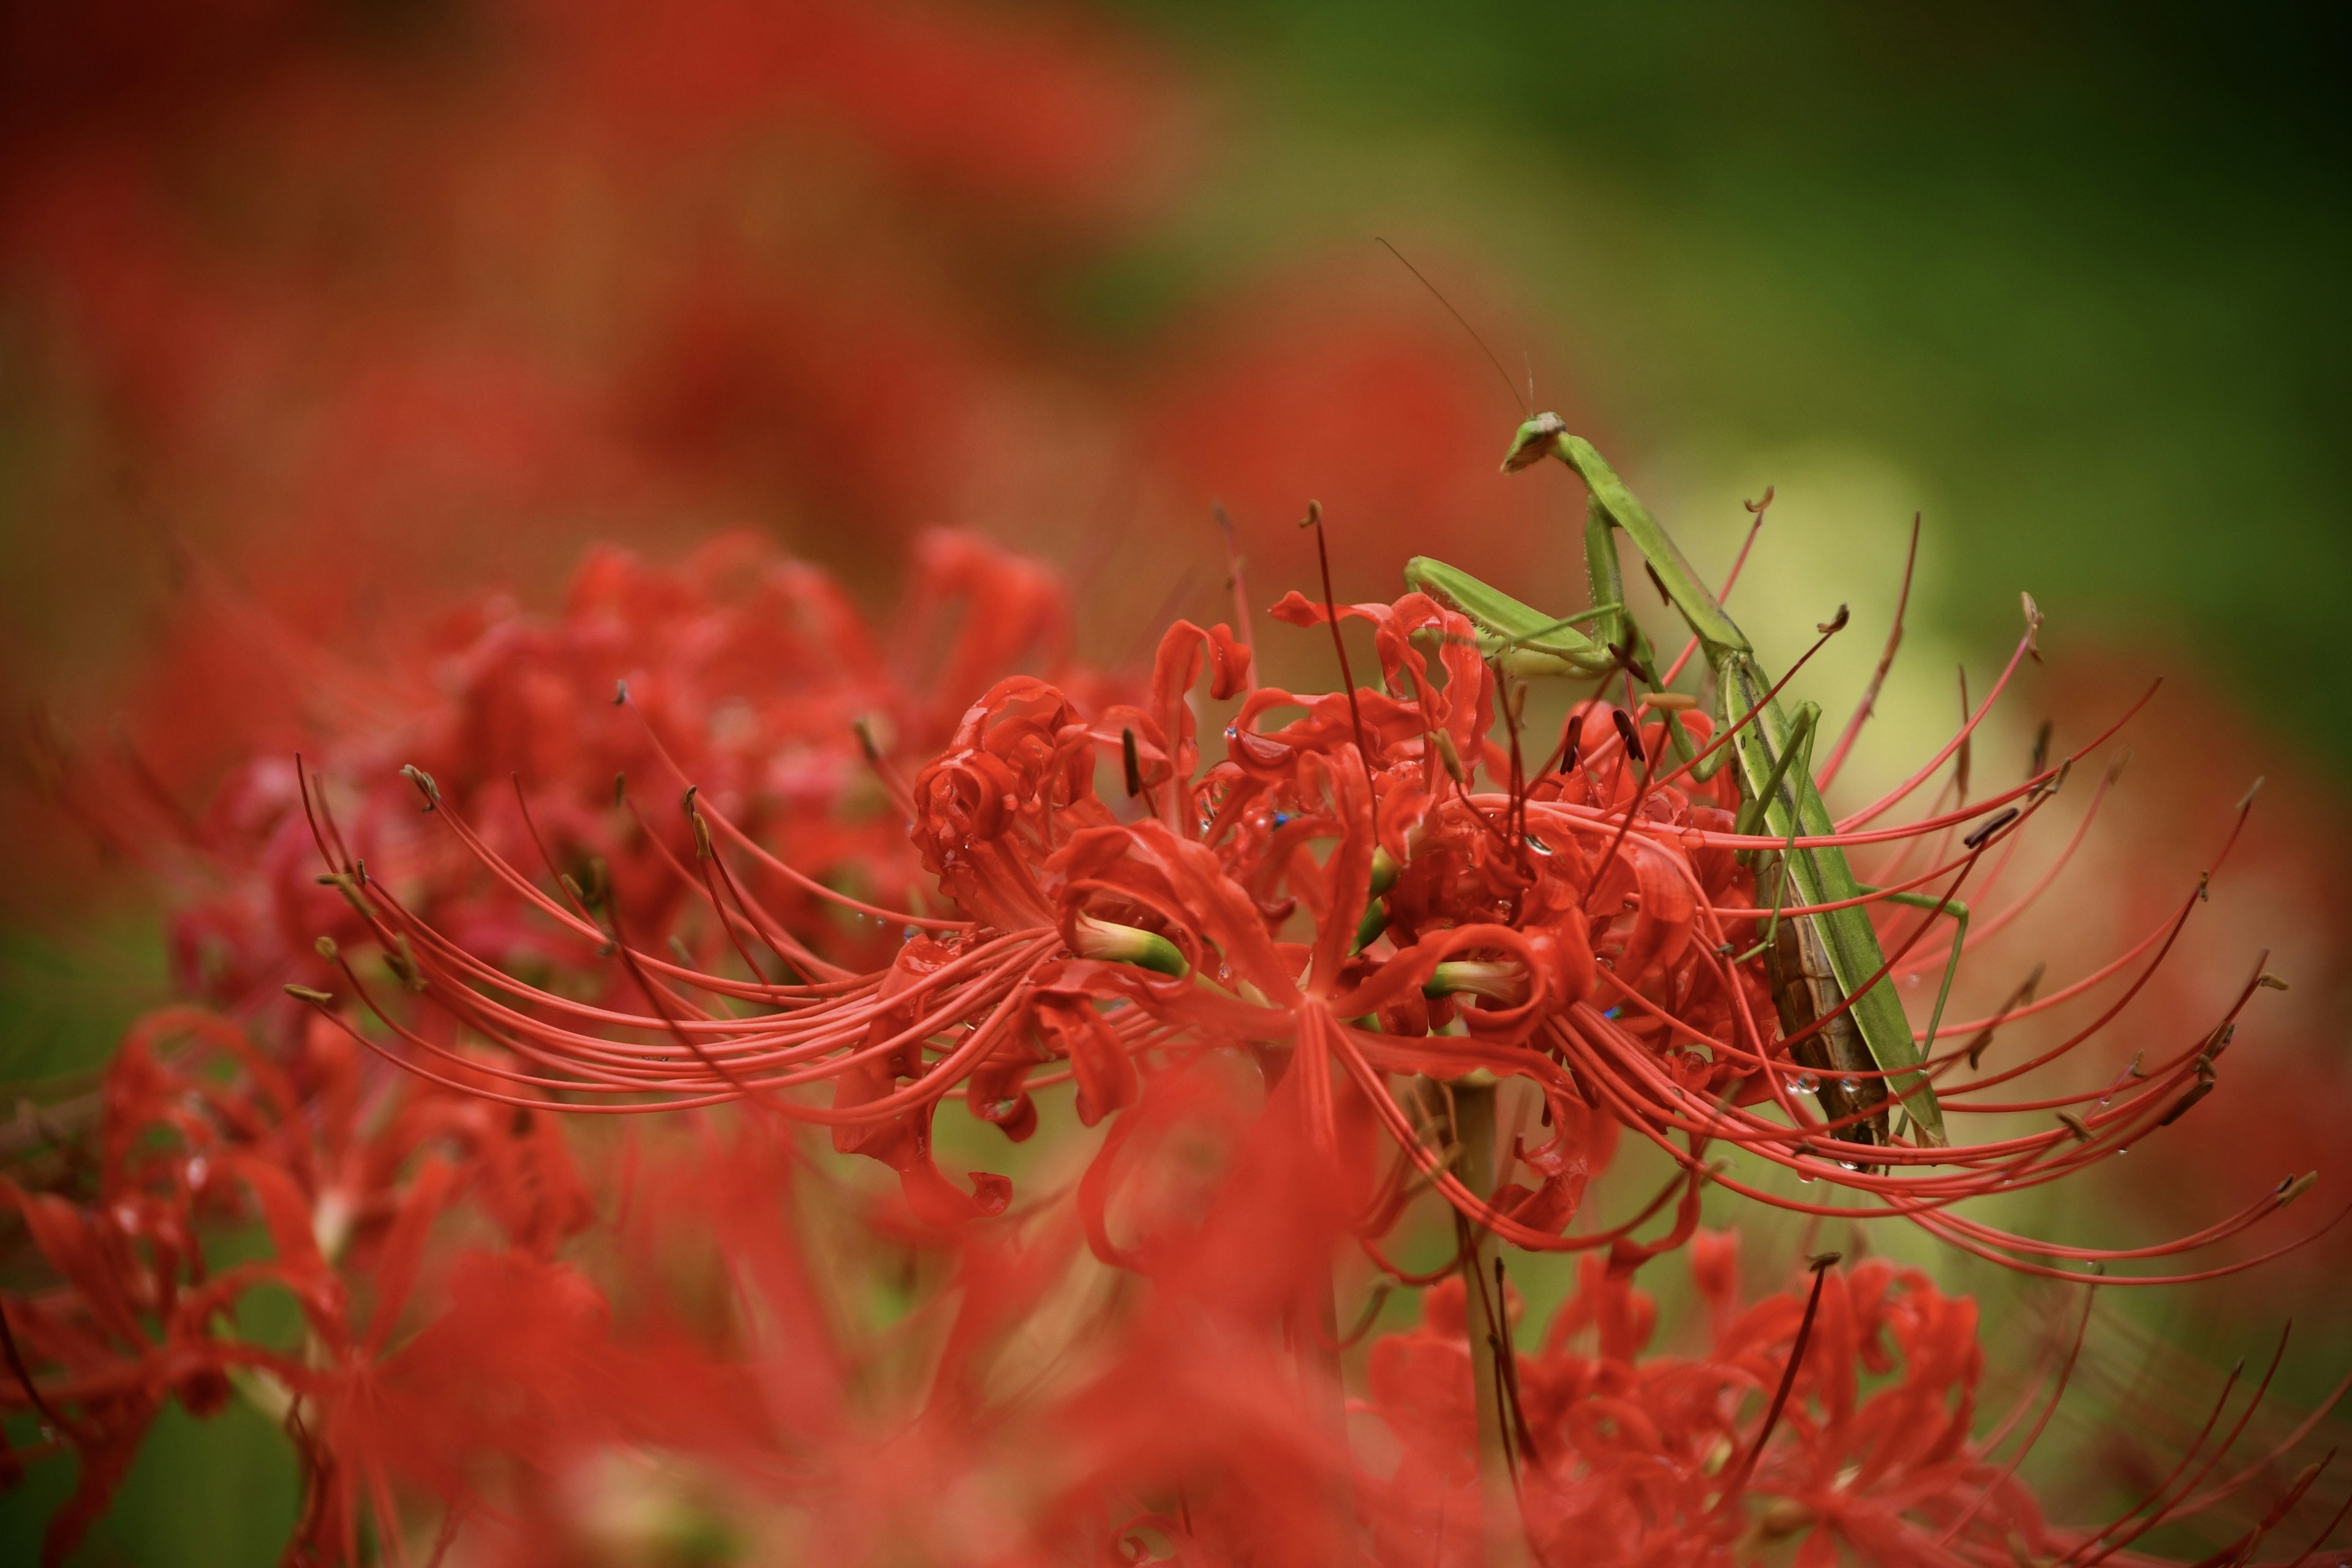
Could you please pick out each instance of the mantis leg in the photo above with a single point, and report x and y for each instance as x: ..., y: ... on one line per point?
x: 1958, y: 913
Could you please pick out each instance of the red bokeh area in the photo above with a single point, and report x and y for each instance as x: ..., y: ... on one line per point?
x: 368, y: 313
x: 2276, y: 904
x: 1367, y: 397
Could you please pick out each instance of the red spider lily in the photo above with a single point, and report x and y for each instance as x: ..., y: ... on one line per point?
x: 755, y: 672
x: 1049, y: 1412
x: 1838, y: 1417
x: 346, y: 1170
x: 1589, y: 914
x: 1368, y: 909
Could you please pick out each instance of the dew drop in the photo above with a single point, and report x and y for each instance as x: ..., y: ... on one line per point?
x: 1849, y: 1085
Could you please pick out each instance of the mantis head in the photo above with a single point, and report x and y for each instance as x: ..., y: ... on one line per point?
x: 1533, y: 440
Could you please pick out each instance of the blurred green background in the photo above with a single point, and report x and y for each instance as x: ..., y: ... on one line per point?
x: 2068, y: 278
x: 2076, y: 268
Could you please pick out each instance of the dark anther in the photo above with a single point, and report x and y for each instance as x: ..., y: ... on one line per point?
x: 1835, y: 623
x: 1624, y: 653
x: 1131, y: 762
x: 1977, y: 840
x: 2041, y: 750
x: 1631, y: 736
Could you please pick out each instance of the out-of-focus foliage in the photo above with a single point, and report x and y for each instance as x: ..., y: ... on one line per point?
x: 2076, y: 266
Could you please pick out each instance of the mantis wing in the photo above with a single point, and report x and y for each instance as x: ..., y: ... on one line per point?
x: 1820, y: 876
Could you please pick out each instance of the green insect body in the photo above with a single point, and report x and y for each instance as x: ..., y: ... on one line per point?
x: 1817, y: 961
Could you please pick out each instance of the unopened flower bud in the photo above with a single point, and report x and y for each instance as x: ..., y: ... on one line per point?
x: 1505, y: 983
x: 1092, y: 938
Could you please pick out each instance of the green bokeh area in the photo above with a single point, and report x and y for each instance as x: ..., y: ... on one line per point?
x: 2078, y: 269
x: 221, y: 1491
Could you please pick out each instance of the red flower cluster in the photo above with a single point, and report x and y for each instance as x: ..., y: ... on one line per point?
x: 755, y: 671
x: 1292, y: 985
x: 1634, y: 1458
x: 348, y: 1171
x: 1581, y: 928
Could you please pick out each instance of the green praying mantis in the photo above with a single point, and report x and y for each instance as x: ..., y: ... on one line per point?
x: 1816, y: 960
